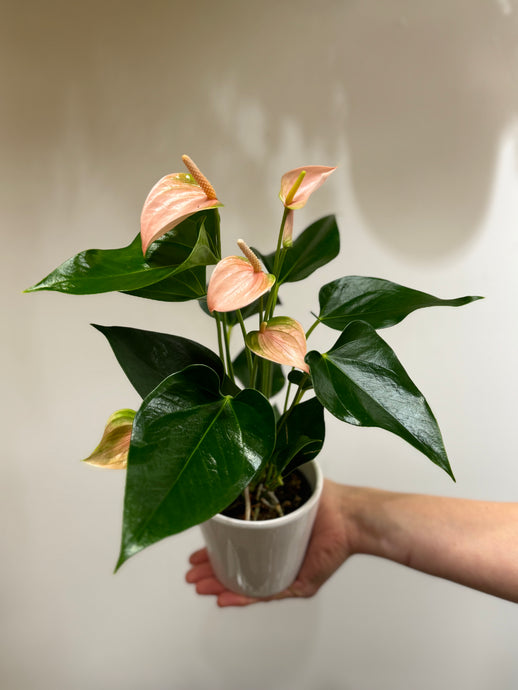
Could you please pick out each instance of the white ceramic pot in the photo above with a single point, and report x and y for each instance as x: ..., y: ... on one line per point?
x: 262, y: 558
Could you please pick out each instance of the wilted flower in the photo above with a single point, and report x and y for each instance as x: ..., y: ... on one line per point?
x: 280, y: 340
x: 173, y: 199
x: 112, y: 451
x: 297, y: 185
x: 237, y: 281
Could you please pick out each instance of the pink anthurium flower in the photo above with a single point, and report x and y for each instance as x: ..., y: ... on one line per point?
x: 112, y: 451
x: 237, y: 281
x: 280, y: 340
x: 173, y: 199
x: 297, y: 185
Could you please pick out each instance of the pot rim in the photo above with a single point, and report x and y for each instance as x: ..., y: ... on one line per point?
x: 284, y: 519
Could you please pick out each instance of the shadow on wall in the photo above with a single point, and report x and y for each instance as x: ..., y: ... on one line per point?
x: 418, y: 95
x: 411, y: 99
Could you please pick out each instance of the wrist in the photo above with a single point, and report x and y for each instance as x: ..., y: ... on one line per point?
x: 366, y: 519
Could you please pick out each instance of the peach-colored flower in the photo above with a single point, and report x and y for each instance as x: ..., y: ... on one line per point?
x: 280, y: 340
x: 237, y: 281
x: 297, y: 185
x: 173, y: 199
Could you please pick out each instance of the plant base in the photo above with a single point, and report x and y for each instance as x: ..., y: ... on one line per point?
x: 262, y: 558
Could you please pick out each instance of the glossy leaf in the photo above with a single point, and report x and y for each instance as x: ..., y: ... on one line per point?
x: 180, y: 287
x: 316, y: 246
x: 300, y: 436
x: 104, y: 270
x: 147, y: 357
x: 378, y: 302
x: 112, y: 451
x: 361, y: 381
x: 192, y: 452
x: 300, y: 379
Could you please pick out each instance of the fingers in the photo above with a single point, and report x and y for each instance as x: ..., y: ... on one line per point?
x: 202, y: 576
x: 199, y: 556
x: 228, y: 598
x: 199, y: 572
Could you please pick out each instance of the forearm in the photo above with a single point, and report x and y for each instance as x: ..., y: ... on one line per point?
x: 474, y: 543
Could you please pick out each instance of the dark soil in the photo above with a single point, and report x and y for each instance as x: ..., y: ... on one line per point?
x: 291, y: 495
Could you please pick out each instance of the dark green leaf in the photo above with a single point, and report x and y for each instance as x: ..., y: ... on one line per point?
x: 314, y: 247
x: 179, y: 287
x: 104, y: 270
x: 300, y: 436
x: 241, y: 371
x: 361, y: 381
x: 299, y: 378
x: 375, y: 301
x: 147, y: 358
x: 192, y: 451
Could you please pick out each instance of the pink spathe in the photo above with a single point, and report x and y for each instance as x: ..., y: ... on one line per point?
x: 235, y: 284
x: 315, y: 176
x: 281, y: 340
x: 174, y: 198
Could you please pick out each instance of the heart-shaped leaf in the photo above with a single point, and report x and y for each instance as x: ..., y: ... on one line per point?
x: 375, y: 301
x: 192, y: 452
x: 147, y: 357
x: 361, y: 381
x: 104, y: 270
x: 316, y: 246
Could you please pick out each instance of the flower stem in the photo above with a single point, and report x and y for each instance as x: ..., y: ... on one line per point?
x: 226, y: 333
x: 220, y: 337
x: 247, y: 351
x: 277, y: 264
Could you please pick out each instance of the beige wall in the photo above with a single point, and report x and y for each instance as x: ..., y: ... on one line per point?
x: 417, y: 104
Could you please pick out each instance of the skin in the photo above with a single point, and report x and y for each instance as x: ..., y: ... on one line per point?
x: 473, y: 543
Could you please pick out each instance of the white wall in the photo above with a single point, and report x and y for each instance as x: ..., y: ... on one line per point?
x: 417, y: 104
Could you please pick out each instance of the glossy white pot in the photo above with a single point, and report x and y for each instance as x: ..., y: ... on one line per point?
x: 262, y: 558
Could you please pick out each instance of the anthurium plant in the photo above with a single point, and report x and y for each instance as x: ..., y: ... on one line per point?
x: 213, y: 425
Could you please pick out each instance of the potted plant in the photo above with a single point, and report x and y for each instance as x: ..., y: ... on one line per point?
x: 229, y: 441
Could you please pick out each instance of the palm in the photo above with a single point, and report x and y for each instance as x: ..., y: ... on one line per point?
x: 328, y: 549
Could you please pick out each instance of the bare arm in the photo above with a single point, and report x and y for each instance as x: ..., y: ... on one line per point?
x: 474, y: 543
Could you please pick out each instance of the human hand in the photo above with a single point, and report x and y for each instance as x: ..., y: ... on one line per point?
x: 329, y: 547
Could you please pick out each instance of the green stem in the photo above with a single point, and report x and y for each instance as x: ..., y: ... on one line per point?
x: 247, y: 351
x: 312, y: 328
x: 266, y: 369
x: 279, y: 243
x: 277, y: 264
x: 220, y: 338
x: 218, y: 234
x: 288, y: 390
x: 226, y: 333
x: 297, y: 398
x: 253, y: 375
